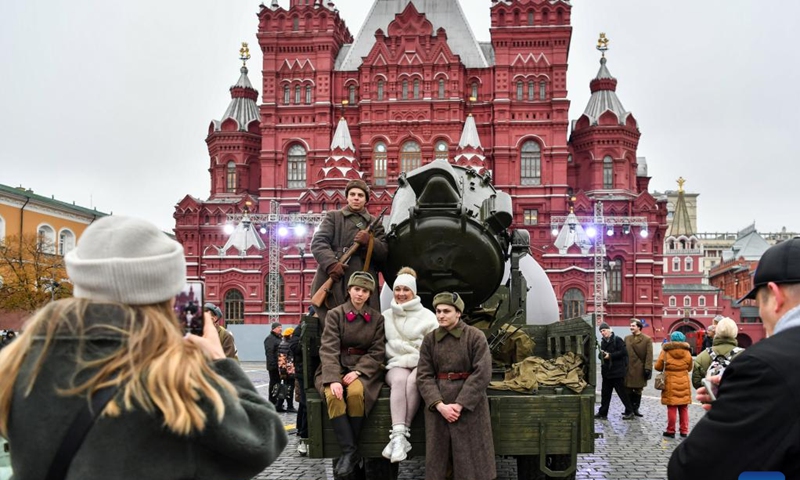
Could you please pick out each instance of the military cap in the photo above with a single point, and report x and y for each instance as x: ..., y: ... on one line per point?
x: 449, y: 298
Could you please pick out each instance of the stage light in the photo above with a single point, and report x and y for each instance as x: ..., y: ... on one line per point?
x: 591, y: 231
x: 228, y: 229
x: 283, y: 231
x: 644, y: 232
x: 300, y: 230
x: 610, y: 231
x: 263, y: 230
x: 554, y: 231
x: 626, y: 228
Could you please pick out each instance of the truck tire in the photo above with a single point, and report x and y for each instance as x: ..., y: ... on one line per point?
x: 380, y: 468
x: 528, y: 467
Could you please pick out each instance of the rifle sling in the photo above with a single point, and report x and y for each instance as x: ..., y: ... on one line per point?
x: 370, y: 245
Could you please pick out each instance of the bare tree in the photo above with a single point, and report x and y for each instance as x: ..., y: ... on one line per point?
x: 30, y: 275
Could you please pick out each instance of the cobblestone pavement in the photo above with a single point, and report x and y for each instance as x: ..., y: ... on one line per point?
x: 628, y: 449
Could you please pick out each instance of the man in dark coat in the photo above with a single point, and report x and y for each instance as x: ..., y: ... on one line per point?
x: 614, y: 358
x: 754, y: 424
x: 640, y: 364
x: 271, y: 344
x: 302, y: 416
x: 454, y: 370
x: 336, y: 234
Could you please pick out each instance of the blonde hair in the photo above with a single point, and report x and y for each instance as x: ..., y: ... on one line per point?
x: 155, y: 368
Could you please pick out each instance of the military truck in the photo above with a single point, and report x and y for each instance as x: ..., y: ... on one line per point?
x: 452, y: 226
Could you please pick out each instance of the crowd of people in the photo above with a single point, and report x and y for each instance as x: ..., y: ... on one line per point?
x: 139, y: 393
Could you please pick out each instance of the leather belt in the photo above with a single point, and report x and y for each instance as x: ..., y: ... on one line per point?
x: 354, y: 351
x: 453, y: 376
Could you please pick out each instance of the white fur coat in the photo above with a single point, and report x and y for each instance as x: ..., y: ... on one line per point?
x: 405, y: 326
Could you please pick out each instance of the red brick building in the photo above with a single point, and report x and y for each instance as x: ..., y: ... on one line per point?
x: 413, y: 86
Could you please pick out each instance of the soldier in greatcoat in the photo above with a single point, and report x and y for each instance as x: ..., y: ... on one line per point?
x: 454, y: 370
x: 350, y: 375
x: 640, y: 364
x: 336, y: 234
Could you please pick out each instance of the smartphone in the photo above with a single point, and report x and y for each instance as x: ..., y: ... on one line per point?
x: 189, y: 308
x: 711, y: 388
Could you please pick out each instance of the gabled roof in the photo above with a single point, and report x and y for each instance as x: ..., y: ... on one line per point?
x: 445, y: 14
x: 750, y: 246
x: 604, y: 97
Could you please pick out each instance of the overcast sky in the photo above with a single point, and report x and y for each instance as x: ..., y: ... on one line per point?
x: 108, y: 103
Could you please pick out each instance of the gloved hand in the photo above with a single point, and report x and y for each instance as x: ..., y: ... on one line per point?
x: 336, y: 271
x: 362, y: 237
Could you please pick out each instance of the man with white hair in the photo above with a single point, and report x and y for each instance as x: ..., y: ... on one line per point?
x: 754, y: 423
x: 724, y: 348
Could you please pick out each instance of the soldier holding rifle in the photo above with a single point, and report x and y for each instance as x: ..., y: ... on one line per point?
x: 339, y: 231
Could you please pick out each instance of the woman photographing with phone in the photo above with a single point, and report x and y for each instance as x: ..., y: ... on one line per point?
x: 165, y: 405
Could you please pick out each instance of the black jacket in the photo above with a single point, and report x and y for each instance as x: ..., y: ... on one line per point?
x: 271, y: 350
x: 617, y: 365
x: 297, y: 349
x: 755, y: 422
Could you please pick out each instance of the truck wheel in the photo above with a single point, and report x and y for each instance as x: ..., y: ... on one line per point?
x: 380, y: 468
x: 528, y: 467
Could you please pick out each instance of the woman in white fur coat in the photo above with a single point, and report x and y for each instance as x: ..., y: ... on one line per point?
x: 406, y: 324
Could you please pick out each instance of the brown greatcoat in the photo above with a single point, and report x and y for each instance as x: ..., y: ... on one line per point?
x: 676, y: 360
x: 462, y: 349
x: 640, y: 358
x: 340, y: 334
x: 334, y: 237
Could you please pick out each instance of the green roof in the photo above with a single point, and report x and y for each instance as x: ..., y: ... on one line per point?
x: 51, y: 201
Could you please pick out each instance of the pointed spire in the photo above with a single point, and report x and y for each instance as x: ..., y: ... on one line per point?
x: 604, y: 87
x: 342, y: 165
x: 244, y: 236
x: 681, y: 223
x: 572, y: 233
x: 470, y: 151
x: 243, y: 107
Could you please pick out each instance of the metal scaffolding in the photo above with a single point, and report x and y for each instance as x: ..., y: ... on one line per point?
x: 272, y: 222
x: 601, y: 224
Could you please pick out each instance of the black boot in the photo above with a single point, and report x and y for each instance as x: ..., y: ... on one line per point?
x: 347, y: 441
x: 636, y: 401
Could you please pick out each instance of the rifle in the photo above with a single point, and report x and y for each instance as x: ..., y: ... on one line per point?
x: 318, y: 299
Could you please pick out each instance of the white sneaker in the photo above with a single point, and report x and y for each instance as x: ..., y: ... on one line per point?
x: 401, y: 449
x: 302, y: 448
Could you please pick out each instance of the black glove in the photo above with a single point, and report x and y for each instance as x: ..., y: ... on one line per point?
x: 362, y: 237
x: 648, y: 374
x: 336, y: 271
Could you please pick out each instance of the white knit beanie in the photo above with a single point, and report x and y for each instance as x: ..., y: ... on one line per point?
x: 126, y: 260
x: 406, y: 280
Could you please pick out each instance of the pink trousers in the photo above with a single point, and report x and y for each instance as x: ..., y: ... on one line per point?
x: 683, y: 411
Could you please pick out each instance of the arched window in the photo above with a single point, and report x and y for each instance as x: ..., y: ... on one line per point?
x: 379, y: 164
x: 66, y: 241
x: 441, y: 88
x: 608, y: 172
x: 676, y: 264
x: 573, y: 303
x: 615, y: 280
x: 47, y: 239
x: 531, y: 163
x: 410, y: 156
x: 297, y: 94
x: 405, y: 90
x: 530, y: 18
x: 380, y: 89
x: 286, y: 94
x: 673, y: 302
x: 308, y: 94
x: 687, y: 301
x: 416, y: 88
x: 295, y: 24
x: 701, y: 302
x: 296, y: 165
x: 531, y: 90
x: 352, y: 95
x: 688, y: 264
x: 519, y: 90
x: 474, y: 90
x: 542, y: 90
x: 234, y: 307
x: 441, y: 150
x: 230, y: 178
